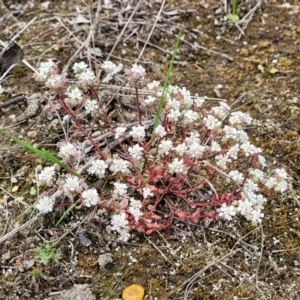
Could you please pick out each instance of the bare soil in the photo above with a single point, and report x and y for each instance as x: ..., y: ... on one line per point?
x: 255, y: 64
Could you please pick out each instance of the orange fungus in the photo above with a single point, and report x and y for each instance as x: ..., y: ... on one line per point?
x: 133, y: 292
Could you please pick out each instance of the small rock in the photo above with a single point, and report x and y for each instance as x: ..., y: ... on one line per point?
x: 104, y: 259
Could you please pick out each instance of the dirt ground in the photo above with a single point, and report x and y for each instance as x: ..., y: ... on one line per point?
x: 255, y: 64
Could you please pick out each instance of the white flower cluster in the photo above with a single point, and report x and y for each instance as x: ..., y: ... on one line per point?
x: 98, y: 168
x: 45, y: 204
x: 83, y: 73
x: 68, y: 186
x: 68, y: 151
x: 74, y: 96
x: 252, y: 202
x: 120, y: 222
x: 47, y: 175
x: 108, y: 66
x: 136, y: 72
x: 48, y: 72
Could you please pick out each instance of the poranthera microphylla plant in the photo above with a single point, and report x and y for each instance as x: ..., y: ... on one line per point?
x: 198, y: 163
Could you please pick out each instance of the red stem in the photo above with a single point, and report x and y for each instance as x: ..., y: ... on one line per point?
x: 81, y: 128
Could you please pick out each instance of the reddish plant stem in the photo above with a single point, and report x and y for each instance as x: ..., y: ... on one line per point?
x: 70, y: 112
x: 138, y: 110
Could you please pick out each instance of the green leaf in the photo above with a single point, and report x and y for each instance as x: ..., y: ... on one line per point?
x: 166, y: 85
x: 42, y: 153
x: 70, y: 208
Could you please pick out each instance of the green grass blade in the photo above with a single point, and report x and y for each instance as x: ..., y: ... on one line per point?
x: 166, y: 85
x: 70, y: 208
x: 42, y: 153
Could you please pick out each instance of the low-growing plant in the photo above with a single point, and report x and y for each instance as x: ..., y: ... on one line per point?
x: 233, y: 16
x: 196, y: 163
x: 36, y: 273
x: 46, y: 253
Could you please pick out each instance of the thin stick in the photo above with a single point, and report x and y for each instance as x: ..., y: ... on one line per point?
x: 123, y: 30
x: 87, y: 41
x: 152, y: 29
x: 157, y: 249
x: 23, y: 226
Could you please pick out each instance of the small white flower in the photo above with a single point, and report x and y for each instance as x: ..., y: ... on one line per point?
x: 260, y: 200
x: 244, y: 207
x: 136, y: 152
x: 165, y: 147
x: 192, y: 139
x: 153, y: 85
x: 120, y: 189
x: 119, y: 131
x: 160, y: 131
x: 150, y: 99
x: 136, y: 72
x: 230, y: 132
x: 47, y: 175
x: 177, y: 166
x: 98, y: 168
x: 173, y: 89
x: 45, y: 69
x: 138, y: 132
x: 227, y: 212
x: 181, y: 149
x: 90, y: 197
x: 281, y: 186
x: 108, y: 66
x: 187, y: 99
x: 222, y: 161
x: 74, y: 96
x: 1, y: 89
x: 87, y: 76
x: 135, y: 209
x: 79, y: 67
x: 45, y: 204
x: 55, y: 81
x: 190, y: 116
x: 250, y: 186
x: 239, y: 117
x: 135, y: 203
x: 124, y: 235
x: 233, y: 151
x: 67, y: 150
x: 255, y: 216
x: 91, y: 106
x: 241, y: 136
x: 147, y: 193
x: 119, y: 222
x: 196, y: 150
x: 119, y: 165
x: 173, y: 103
x: 236, y: 176
x: 174, y: 114
x: 136, y: 213
x: 262, y: 160
x: 198, y: 102
x: 211, y: 122
x: 281, y: 173
x: 258, y: 175
x: 221, y: 111
x: 271, y: 182
x: 250, y: 149
x: 215, y: 147
x: 72, y: 184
